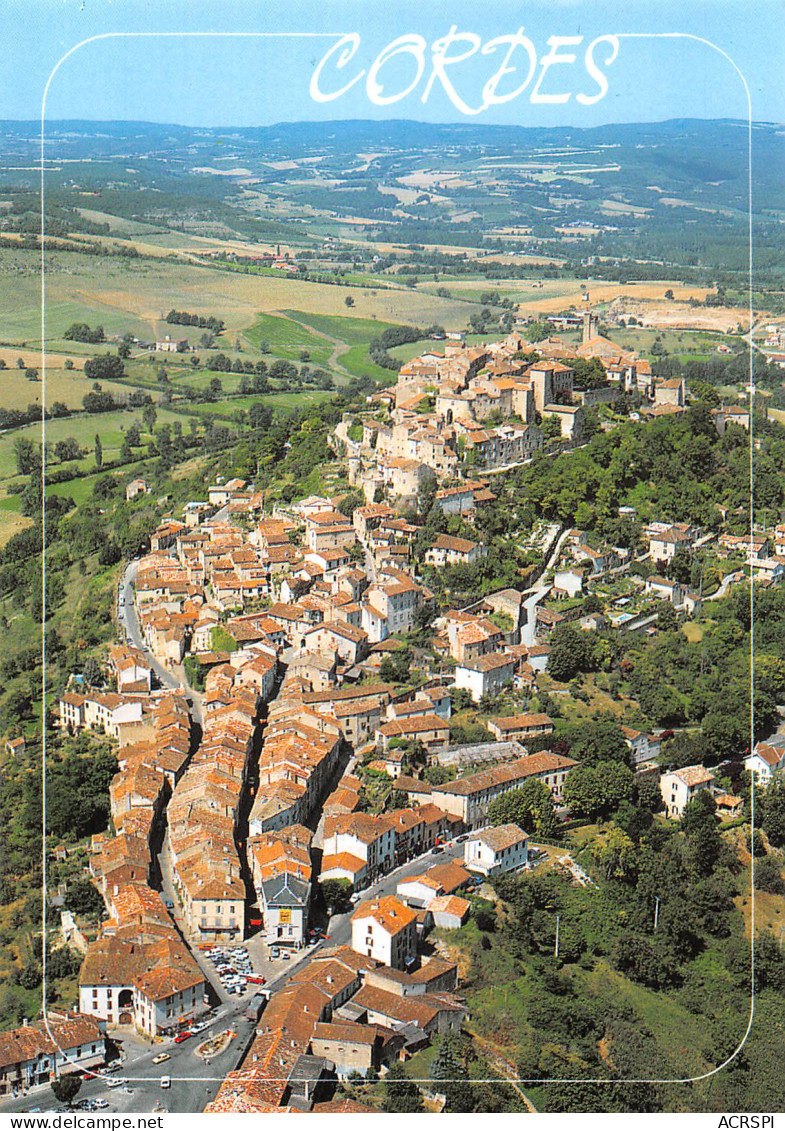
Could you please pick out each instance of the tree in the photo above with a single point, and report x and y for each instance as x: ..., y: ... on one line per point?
x: 99, y: 451
x: 149, y: 416
x: 395, y: 666
x: 67, y: 449
x: 349, y: 300
x: 28, y: 456
x: 773, y: 821
x: 450, y: 1077
x: 595, y: 791
x: 91, y: 670
x: 589, y: 373
x: 336, y: 895
x: 768, y: 875
x: 401, y: 1094
x: 530, y: 807
x: 614, y: 854
x: 31, y: 374
x: 669, y: 293
x: 667, y: 619
x: 66, y: 1088
x: 572, y: 652
x: 260, y: 416
x: 601, y: 740
x: 551, y: 428
x: 84, y: 899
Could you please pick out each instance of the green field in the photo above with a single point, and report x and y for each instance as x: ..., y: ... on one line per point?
x: 110, y: 426
x: 342, y: 327
x: 287, y: 339
x: 356, y: 333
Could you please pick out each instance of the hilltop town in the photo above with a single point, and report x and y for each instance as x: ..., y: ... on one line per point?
x: 403, y: 697
x: 328, y: 760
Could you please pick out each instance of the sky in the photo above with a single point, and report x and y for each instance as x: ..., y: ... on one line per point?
x: 232, y: 79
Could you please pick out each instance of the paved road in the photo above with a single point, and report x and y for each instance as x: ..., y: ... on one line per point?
x: 194, y: 1082
x: 727, y: 581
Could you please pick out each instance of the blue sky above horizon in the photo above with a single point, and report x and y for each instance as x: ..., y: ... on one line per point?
x: 220, y: 81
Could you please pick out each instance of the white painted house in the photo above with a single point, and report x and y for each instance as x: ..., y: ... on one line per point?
x: 492, y: 851
x: 765, y: 761
x: 680, y: 787
x: 385, y: 929
x: 485, y: 675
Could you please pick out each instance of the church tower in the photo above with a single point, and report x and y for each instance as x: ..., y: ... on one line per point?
x: 590, y: 321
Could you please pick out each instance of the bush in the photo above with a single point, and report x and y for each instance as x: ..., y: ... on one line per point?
x: 768, y: 875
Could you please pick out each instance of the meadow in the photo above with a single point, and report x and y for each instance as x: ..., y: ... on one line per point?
x: 134, y: 295
x: 110, y: 426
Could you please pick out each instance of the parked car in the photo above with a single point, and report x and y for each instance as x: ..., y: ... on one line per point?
x: 181, y: 1037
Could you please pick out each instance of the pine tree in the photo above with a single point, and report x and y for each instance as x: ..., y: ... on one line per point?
x: 401, y: 1094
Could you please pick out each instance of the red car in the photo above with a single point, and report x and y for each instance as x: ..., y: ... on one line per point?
x: 257, y: 979
x: 181, y: 1037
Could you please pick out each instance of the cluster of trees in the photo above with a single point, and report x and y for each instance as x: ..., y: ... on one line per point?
x: 99, y: 400
x: 706, y: 682
x: 220, y: 363
x: 17, y: 417
x: 530, y: 807
x: 576, y: 1018
x: 81, y: 332
x: 107, y: 367
x: 208, y: 322
x: 574, y: 651
x: 387, y: 340
x: 682, y: 464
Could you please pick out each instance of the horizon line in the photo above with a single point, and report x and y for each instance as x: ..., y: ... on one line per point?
x: 323, y: 122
